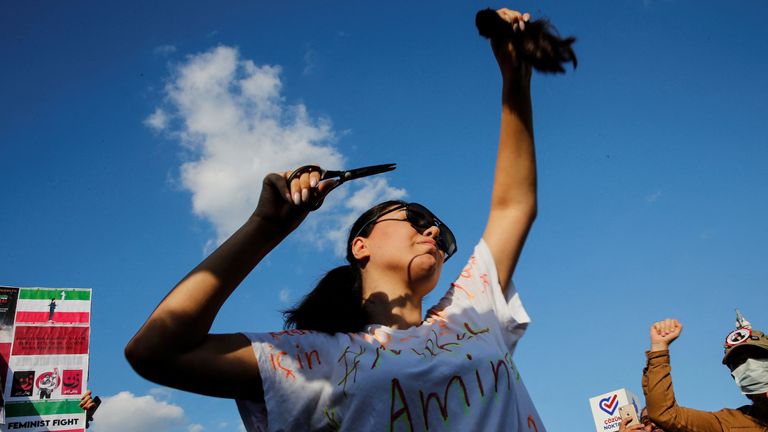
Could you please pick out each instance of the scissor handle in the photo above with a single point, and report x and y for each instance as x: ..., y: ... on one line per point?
x: 309, y: 168
x: 306, y: 168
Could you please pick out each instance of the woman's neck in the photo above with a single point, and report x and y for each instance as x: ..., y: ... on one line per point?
x: 391, y: 303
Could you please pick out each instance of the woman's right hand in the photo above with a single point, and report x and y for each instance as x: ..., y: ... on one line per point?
x: 286, y: 205
x: 175, y: 347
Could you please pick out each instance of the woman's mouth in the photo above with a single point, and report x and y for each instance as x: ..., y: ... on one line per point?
x: 431, y: 243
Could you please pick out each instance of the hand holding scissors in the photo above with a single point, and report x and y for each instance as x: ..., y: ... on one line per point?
x: 305, y: 178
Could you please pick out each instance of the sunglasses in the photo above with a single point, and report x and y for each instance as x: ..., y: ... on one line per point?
x: 421, y: 219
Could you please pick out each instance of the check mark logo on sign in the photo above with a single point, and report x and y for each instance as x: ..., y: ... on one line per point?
x: 610, y: 404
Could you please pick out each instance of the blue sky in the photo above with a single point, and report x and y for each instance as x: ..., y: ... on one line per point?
x: 652, y: 167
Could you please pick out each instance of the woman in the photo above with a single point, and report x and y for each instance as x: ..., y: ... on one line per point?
x: 380, y: 365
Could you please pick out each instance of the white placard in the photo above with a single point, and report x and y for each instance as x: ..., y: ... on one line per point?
x: 605, y: 408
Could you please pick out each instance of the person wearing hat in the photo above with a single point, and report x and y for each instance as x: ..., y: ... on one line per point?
x: 746, y: 355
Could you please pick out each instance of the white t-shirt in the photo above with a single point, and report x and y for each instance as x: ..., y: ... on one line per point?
x: 453, y: 372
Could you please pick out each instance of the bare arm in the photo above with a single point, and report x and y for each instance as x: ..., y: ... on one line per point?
x: 174, y: 347
x: 513, y: 202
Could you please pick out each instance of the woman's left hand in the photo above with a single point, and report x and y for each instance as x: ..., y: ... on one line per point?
x: 506, y: 56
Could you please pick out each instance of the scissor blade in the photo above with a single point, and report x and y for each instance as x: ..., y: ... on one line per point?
x: 367, y: 171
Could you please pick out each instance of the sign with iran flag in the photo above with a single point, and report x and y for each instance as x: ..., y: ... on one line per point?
x: 44, y: 340
x: 8, y: 298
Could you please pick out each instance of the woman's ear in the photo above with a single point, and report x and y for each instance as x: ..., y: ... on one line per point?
x: 360, y: 249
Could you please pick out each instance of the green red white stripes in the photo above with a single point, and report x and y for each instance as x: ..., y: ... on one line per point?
x: 48, y: 359
x: 37, y: 305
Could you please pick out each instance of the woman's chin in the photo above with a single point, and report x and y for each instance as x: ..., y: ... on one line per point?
x: 425, y: 267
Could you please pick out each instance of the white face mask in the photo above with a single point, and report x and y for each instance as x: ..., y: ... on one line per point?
x: 752, y: 376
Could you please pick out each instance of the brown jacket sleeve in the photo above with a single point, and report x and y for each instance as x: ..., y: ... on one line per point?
x: 660, y: 399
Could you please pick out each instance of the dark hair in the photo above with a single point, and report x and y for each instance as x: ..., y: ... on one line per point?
x: 335, y: 305
x: 540, y: 45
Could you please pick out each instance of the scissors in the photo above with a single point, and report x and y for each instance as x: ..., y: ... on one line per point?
x: 342, y: 175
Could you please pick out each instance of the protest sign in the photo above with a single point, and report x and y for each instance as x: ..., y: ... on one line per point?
x: 605, y: 408
x: 8, y: 297
x: 44, y: 348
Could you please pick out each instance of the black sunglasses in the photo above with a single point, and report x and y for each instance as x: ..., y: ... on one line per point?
x: 421, y: 219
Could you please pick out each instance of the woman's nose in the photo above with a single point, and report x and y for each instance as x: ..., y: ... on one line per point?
x: 432, y: 232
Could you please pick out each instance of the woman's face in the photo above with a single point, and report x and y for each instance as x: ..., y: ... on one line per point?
x: 395, y: 245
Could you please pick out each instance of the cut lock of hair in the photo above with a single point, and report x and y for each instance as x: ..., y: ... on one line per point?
x: 540, y: 45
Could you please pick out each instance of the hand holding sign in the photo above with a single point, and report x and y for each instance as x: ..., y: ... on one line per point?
x: 625, y: 425
x: 89, y: 405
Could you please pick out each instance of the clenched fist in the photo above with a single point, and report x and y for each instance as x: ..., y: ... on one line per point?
x: 664, y: 333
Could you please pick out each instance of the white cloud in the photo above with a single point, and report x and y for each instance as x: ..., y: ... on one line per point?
x: 236, y: 127
x: 164, y: 50
x: 158, y: 120
x: 285, y: 296
x: 125, y: 412
x: 652, y: 198
x: 161, y: 393
x: 195, y: 428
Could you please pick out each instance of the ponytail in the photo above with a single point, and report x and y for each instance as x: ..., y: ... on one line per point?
x: 335, y: 305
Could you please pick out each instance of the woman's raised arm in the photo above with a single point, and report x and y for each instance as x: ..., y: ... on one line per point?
x: 174, y: 347
x: 513, y: 202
